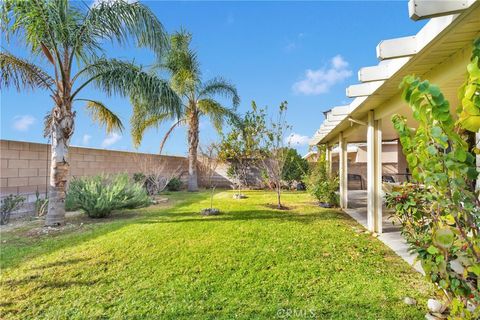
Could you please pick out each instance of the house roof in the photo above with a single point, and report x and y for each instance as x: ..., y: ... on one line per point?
x: 437, y: 41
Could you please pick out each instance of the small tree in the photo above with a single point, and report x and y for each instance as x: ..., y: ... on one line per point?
x: 241, y: 147
x: 278, y: 151
x: 208, y: 163
x: 295, y: 167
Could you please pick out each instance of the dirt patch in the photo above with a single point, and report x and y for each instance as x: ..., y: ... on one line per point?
x: 33, y: 227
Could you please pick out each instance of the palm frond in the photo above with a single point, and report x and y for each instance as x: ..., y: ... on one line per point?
x: 103, y: 116
x: 47, y: 125
x: 21, y: 74
x: 119, y: 21
x: 28, y: 19
x: 126, y: 79
x: 169, y: 132
x: 142, y: 120
x: 221, y: 87
x: 183, y: 64
x: 45, y: 26
x: 216, y: 112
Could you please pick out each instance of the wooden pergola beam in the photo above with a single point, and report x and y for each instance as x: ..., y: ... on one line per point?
x: 383, y: 71
x: 425, y: 9
x: 363, y: 89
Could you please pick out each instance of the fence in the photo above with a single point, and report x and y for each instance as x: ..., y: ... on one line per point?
x: 25, y: 167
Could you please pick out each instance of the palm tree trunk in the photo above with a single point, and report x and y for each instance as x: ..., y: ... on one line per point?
x: 62, y: 129
x: 193, y: 136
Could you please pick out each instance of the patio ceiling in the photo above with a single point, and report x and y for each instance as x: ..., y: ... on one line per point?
x: 439, y: 52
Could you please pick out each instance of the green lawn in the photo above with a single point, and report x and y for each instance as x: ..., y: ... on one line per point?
x: 172, y: 263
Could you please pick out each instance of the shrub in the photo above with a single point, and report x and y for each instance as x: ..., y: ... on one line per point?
x: 139, y: 177
x: 8, y: 205
x: 441, y: 217
x: 157, y: 182
x: 70, y: 204
x: 98, y: 196
x: 321, y: 184
x: 295, y: 167
x: 175, y: 184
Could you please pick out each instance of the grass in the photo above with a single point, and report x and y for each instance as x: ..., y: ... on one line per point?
x: 171, y: 263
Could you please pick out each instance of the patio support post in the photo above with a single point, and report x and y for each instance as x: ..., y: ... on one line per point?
x: 342, y: 171
x: 378, y: 177
x: 374, y: 174
x: 328, y: 158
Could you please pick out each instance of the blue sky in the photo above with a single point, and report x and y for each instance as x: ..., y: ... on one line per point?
x: 304, y: 52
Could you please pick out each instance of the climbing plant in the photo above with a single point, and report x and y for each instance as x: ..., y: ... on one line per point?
x: 440, y: 212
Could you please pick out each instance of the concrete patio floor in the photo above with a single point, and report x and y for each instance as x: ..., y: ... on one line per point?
x: 357, y: 209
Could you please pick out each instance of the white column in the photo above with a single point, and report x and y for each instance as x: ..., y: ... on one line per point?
x: 371, y: 172
x: 378, y: 177
x: 374, y: 174
x: 328, y: 158
x: 342, y: 171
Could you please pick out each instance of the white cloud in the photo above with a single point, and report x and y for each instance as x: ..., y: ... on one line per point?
x: 111, y: 139
x: 296, y: 139
x: 339, y: 63
x: 86, y: 139
x: 23, y: 123
x: 321, y: 80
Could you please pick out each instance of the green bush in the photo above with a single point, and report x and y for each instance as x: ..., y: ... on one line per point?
x: 70, y: 205
x: 139, y: 177
x: 98, y: 196
x: 321, y: 184
x: 294, y: 168
x: 174, y: 185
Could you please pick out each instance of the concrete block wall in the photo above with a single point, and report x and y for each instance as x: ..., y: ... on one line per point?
x: 25, y: 167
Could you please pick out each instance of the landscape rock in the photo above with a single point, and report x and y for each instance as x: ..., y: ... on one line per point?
x: 429, y: 316
x: 325, y: 205
x: 239, y: 196
x: 210, y: 212
x: 471, y: 307
x: 457, y: 266
x: 410, y: 301
x: 435, y: 306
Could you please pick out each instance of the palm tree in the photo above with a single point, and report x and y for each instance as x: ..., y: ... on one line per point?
x: 197, y: 97
x: 60, y: 34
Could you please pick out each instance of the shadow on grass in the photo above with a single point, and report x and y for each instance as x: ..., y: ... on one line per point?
x: 59, y: 263
x: 49, y: 283
x: 13, y: 254
x: 280, y: 216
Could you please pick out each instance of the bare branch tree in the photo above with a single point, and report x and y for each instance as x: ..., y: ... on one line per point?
x: 155, y: 172
x: 208, y: 163
x: 274, y: 140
